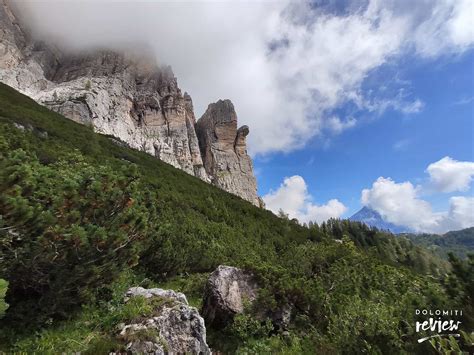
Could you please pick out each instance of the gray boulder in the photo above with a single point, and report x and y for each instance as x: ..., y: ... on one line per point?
x: 228, y: 290
x: 175, y: 328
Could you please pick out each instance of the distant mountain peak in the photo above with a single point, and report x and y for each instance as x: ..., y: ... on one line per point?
x: 374, y: 219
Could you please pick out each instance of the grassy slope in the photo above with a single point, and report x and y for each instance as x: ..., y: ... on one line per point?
x: 230, y: 229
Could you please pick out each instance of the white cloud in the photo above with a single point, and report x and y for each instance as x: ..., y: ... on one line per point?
x: 286, y: 65
x: 464, y: 100
x: 293, y: 198
x: 461, y: 213
x: 448, y: 29
x: 400, y: 102
x: 411, y: 107
x: 336, y: 125
x: 400, y: 203
x: 448, y: 175
x: 401, y: 145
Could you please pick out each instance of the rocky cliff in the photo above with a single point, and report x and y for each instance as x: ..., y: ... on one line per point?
x: 224, y: 151
x: 132, y: 98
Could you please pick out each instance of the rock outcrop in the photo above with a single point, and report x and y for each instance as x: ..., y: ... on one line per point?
x: 174, y: 328
x: 227, y: 291
x: 131, y: 98
x: 224, y: 150
x: 155, y: 292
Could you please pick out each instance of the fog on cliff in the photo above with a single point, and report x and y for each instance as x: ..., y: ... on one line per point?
x: 294, y: 70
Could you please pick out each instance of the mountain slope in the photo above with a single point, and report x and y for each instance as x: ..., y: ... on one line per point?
x: 460, y: 243
x: 84, y: 217
x: 191, y: 203
x: 373, y: 219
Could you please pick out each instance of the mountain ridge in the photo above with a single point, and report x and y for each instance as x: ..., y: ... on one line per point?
x: 459, y: 242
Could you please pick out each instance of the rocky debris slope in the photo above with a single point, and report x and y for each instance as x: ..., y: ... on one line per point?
x: 133, y: 99
x: 229, y: 290
x: 224, y: 150
x: 175, y: 327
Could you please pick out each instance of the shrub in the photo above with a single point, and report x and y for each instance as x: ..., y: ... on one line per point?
x: 67, y: 228
x: 3, y: 291
x: 246, y: 327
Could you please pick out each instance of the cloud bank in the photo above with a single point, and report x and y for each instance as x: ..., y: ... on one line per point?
x: 287, y: 66
x: 448, y: 175
x: 402, y: 204
x: 292, y: 198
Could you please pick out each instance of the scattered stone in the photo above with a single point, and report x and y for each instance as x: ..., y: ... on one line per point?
x: 118, y: 142
x: 19, y: 126
x: 42, y: 134
x: 281, y: 317
x: 24, y: 128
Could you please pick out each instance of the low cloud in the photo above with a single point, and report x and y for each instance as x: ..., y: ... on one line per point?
x: 292, y: 197
x: 461, y: 213
x: 401, y: 204
x: 449, y: 175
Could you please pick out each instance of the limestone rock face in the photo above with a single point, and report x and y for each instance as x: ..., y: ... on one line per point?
x: 227, y: 291
x: 131, y: 98
x: 176, y: 328
x: 23, y: 63
x: 12, y: 40
x: 224, y: 151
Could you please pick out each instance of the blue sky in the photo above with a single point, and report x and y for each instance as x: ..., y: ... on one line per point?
x: 395, y: 145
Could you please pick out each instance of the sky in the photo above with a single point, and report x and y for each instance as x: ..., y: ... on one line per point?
x: 349, y: 103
